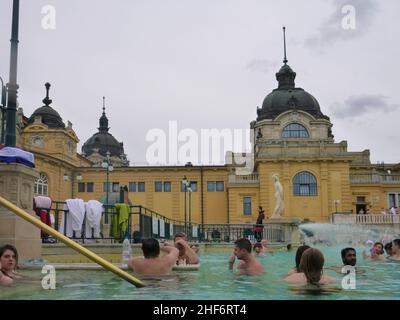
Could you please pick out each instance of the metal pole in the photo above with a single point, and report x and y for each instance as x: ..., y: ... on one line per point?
x: 3, y: 109
x: 12, y: 86
x: 107, y: 187
x: 190, y: 214
x: 185, y: 208
x: 72, y: 185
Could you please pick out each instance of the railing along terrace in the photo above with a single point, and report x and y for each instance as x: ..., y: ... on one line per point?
x: 244, y: 179
x: 232, y: 232
x: 365, y: 219
x: 374, y: 178
x: 142, y: 223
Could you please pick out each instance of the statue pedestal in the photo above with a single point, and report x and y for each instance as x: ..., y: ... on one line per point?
x: 17, y: 185
x: 290, y: 228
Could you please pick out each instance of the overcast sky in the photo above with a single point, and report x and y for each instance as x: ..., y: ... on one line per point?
x: 208, y: 64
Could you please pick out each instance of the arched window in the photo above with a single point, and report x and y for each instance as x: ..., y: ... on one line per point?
x: 295, y: 130
x: 304, y: 184
x: 41, y: 185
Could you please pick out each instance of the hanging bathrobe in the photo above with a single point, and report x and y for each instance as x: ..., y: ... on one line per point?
x: 94, y: 211
x: 74, y: 220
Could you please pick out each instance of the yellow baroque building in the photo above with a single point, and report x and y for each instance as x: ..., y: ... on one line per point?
x: 292, y: 138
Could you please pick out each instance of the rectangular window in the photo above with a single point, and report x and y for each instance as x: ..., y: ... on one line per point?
x: 158, y: 186
x: 132, y: 186
x: 210, y: 186
x: 141, y: 187
x: 247, y: 206
x: 81, y: 187
x: 360, y: 199
x: 392, y: 200
x: 115, y: 187
x: 167, y: 186
x: 220, y: 186
x: 193, y: 186
x: 89, y: 187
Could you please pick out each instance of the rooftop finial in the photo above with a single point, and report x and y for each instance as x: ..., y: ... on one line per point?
x: 284, y: 44
x: 47, y: 101
x: 103, y: 119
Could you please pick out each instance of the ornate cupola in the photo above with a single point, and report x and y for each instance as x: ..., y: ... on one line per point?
x: 48, y: 115
x: 287, y: 96
x: 103, y: 142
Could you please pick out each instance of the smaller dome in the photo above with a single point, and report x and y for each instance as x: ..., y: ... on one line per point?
x: 50, y: 117
x: 103, y: 142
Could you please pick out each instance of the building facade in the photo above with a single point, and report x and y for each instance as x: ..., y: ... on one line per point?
x: 292, y: 138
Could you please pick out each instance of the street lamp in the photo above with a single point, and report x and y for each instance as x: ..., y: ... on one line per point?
x: 3, y: 109
x: 73, y: 176
x: 186, y: 185
x: 190, y: 209
x: 12, y: 86
x: 107, y: 164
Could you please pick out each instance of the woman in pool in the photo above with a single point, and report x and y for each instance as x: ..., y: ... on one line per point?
x: 395, y: 250
x: 8, y: 263
x: 4, y: 280
x: 311, y: 266
x: 299, y: 253
x: 376, y: 253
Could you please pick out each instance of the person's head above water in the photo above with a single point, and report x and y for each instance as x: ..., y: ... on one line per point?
x: 242, y: 248
x: 378, y: 247
x: 257, y: 247
x: 349, y: 256
x: 311, y: 264
x: 180, y: 235
x: 289, y: 247
x: 299, y: 253
x: 396, y: 246
x: 388, y: 248
x: 8, y: 258
x: 150, y: 248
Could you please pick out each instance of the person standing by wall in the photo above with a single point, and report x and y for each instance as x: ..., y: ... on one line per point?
x: 258, y: 230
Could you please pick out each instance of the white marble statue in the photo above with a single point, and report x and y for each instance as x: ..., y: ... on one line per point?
x: 280, y: 205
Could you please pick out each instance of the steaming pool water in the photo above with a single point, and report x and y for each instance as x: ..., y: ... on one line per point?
x: 213, y: 281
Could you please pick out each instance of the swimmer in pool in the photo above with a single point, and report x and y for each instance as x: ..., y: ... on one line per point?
x: 311, y: 268
x: 349, y: 258
x: 395, y: 250
x: 260, y: 248
x: 376, y: 253
x: 299, y: 253
x: 388, y: 249
x: 152, y: 263
x: 9, y: 263
x: 5, y: 280
x: 186, y: 254
x: 248, y: 265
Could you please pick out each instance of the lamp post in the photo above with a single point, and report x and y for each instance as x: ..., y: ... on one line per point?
x: 73, y: 176
x: 190, y: 209
x: 107, y: 164
x: 12, y: 86
x: 186, y: 184
x: 3, y: 109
